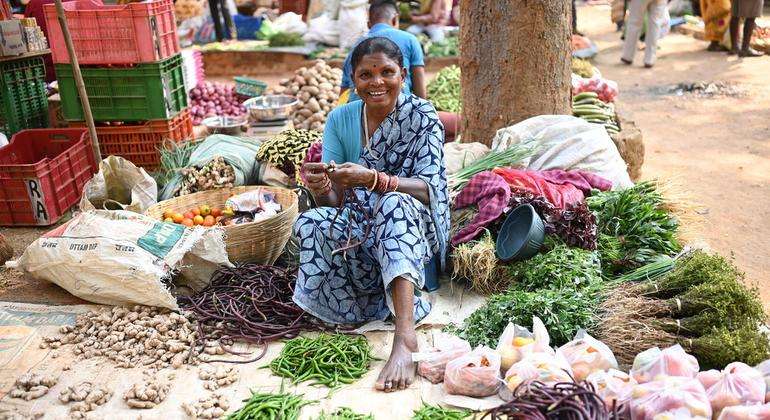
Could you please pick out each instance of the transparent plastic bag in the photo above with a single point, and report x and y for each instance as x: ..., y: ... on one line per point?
x: 476, y: 374
x: 431, y: 364
x: 739, y: 384
x: 746, y: 412
x: 670, y: 398
x: 586, y: 355
x: 709, y: 377
x: 516, y: 342
x: 764, y: 369
x: 614, y: 387
x: 672, y: 361
x: 606, y: 89
x: 543, y: 367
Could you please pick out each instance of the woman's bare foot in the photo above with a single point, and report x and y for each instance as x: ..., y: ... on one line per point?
x: 399, y: 371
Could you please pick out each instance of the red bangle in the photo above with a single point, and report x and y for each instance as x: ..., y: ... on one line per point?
x: 394, y: 185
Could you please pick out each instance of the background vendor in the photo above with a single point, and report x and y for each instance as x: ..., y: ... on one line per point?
x: 383, y: 22
x: 432, y: 20
x: 366, y: 262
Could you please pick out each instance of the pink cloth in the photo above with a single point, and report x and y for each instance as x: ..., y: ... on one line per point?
x: 491, y: 193
x: 558, y: 195
x: 584, y: 181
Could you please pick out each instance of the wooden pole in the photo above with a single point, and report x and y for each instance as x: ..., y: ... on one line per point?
x: 79, y: 81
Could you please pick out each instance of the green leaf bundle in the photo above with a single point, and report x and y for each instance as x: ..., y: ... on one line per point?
x: 722, y: 346
x: 286, y: 39
x: 638, y: 218
x: 495, y: 159
x: 698, y: 267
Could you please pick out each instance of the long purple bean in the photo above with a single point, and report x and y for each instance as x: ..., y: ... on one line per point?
x: 564, y: 400
x: 250, y: 303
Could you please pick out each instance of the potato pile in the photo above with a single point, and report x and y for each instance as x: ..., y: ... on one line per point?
x: 212, y: 406
x: 186, y: 9
x: 86, y: 397
x: 215, y: 174
x: 216, y: 377
x: 32, y: 386
x: 147, y: 394
x: 131, y: 337
x: 318, y: 89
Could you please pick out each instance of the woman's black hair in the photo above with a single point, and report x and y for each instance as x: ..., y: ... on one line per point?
x: 374, y: 45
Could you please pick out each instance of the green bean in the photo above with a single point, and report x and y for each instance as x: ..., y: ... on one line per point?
x: 345, y: 413
x: 270, y: 407
x: 430, y: 412
x: 329, y: 359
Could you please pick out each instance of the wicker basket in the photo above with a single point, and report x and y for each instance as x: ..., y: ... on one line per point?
x: 258, y: 242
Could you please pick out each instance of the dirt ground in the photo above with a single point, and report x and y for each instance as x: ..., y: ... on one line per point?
x: 717, y: 148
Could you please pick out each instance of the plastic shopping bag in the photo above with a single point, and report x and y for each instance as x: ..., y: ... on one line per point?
x: 615, y: 389
x: 740, y: 384
x: 544, y: 367
x: 431, y: 364
x: 586, y: 355
x: 746, y: 412
x: 709, y: 377
x: 605, y: 88
x: 516, y: 342
x: 671, y: 397
x: 764, y: 369
x: 672, y: 361
x: 119, y: 185
x: 476, y: 374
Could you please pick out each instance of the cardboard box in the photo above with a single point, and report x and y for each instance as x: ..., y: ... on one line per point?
x: 12, y: 38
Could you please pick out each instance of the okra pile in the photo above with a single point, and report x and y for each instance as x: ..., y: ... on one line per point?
x: 329, y: 359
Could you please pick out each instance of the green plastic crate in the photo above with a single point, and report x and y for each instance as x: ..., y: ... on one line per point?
x: 147, y: 91
x: 23, y: 99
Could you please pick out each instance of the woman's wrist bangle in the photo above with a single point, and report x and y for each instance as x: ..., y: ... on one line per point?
x: 394, y: 184
x: 374, y: 180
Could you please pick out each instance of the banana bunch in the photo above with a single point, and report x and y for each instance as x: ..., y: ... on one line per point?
x: 288, y: 149
x: 588, y: 106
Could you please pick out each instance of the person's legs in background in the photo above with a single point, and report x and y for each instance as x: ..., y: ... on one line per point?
x: 748, y: 31
x: 735, y: 27
x: 415, y: 29
x: 636, y: 11
x: 214, y: 7
x: 656, y: 19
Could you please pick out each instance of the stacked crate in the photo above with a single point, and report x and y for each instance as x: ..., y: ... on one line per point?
x: 133, y: 74
x: 23, y: 99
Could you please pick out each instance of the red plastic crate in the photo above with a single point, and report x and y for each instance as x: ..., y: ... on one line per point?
x: 120, y: 34
x: 42, y: 174
x: 140, y: 143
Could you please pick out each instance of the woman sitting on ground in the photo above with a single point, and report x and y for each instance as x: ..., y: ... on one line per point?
x: 384, y: 156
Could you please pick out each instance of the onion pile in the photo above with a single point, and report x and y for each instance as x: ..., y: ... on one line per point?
x: 212, y: 99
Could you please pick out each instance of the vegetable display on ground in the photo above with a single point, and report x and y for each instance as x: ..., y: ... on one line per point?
x: 432, y: 412
x: 444, y: 90
x: 317, y: 88
x: 214, y: 98
x: 329, y: 360
x: 248, y: 302
x: 270, y: 407
x: 588, y: 106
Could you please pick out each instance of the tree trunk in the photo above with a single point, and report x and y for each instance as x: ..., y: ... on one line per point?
x: 515, y: 61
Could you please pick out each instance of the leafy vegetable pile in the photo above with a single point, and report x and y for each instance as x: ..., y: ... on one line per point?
x: 444, y: 90
x: 286, y: 39
x: 637, y: 218
x: 449, y: 47
x: 701, y: 304
x: 328, y: 360
x: 563, y: 312
x: 560, y: 268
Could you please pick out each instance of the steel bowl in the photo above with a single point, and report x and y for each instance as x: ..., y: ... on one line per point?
x: 231, y: 126
x: 270, y: 107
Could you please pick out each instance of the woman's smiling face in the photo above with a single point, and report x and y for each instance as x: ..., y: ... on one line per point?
x: 378, y: 80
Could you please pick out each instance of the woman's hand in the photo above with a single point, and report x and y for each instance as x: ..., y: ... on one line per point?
x: 316, y: 177
x: 351, y: 175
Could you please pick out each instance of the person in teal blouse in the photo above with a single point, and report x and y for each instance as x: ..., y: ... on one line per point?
x: 384, y: 211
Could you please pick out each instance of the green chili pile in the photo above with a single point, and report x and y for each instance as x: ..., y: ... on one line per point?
x: 329, y: 359
x: 345, y: 413
x: 270, y: 407
x: 430, y: 412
